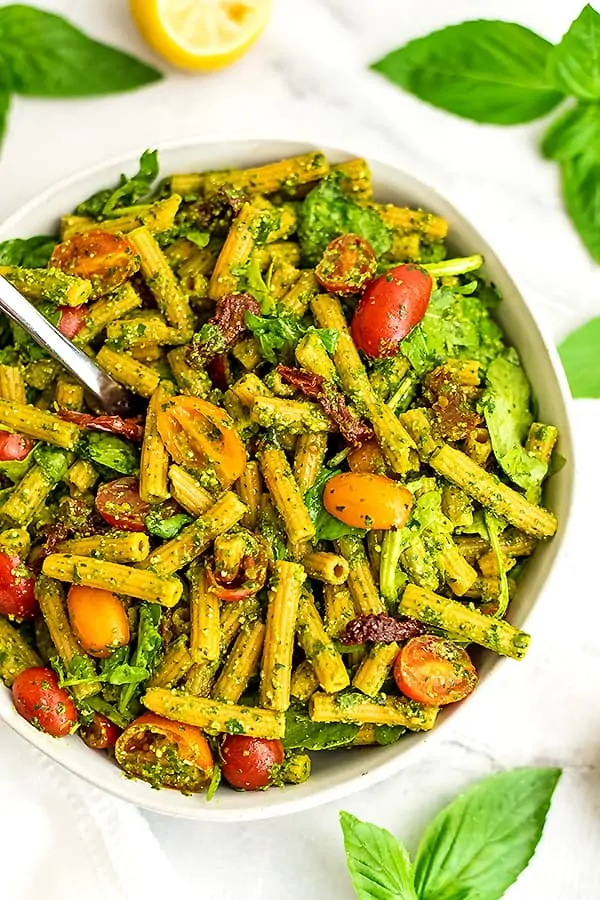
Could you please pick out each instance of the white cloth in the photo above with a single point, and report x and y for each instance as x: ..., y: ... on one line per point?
x: 62, y: 839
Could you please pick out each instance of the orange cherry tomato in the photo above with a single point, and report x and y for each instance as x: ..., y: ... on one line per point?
x: 165, y: 753
x: 434, y: 671
x: 98, y: 620
x: 348, y: 262
x: 367, y: 458
x: 198, y: 434
x: 363, y: 500
x: 39, y: 699
x: 106, y: 259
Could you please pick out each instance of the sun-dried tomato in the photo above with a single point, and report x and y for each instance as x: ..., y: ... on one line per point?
x: 452, y: 403
x: 225, y: 328
x: 332, y: 402
x: 382, y: 629
x: 127, y: 428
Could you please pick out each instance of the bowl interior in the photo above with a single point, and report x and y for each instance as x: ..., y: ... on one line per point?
x: 334, y: 773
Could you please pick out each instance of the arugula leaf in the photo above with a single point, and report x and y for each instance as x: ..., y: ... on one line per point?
x: 579, y: 353
x: 53, y: 461
x: 215, y: 781
x: 485, y: 70
x: 478, y: 845
x: 505, y: 404
x: 255, y: 285
x: 581, y: 193
x: 33, y: 253
x: 109, y: 200
x: 327, y: 212
x: 149, y: 644
x: 329, y: 337
x: 575, y: 133
x: 379, y: 866
x: 278, y: 335
x: 45, y: 56
x: 166, y: 528
x: 327, y: 527
x: 454, y: 326
x: 113, y: 452
x: 574, y: 64
x: 302, y: 732
x: 494, y: 527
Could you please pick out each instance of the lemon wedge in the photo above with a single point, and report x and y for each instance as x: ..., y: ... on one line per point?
x: 202, y: 35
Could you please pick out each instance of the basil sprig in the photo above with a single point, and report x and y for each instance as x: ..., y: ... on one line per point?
x: 44, y: 55
x: 474, y: 848
x: 505, y: 74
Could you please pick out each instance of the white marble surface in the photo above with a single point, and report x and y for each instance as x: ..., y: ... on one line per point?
x: 308, y: 77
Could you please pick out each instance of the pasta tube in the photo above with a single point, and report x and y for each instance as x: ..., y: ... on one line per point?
x: 214, y: 716
x: 282, y: 610
x: 241, y: 664
x: 205, y: 627
x: 379, y: 710
x: 319, y: 647
x: 286, y: 495
x: 154, y: 462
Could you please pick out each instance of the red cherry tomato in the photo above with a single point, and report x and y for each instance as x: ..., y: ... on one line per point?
x: 39, y: 699
x: 14, y: 447
x: 250, y: 763
x: 72, y: 319
x: 391, y: 305
x: 348, y: 262
x: 435, y: 671
x: 101, y: 733
x: 119, y: 503
x: 17, y: 597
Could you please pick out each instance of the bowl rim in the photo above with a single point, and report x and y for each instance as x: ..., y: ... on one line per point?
x: 154, y: 802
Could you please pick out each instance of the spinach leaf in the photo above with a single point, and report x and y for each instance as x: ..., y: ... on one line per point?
x: 581, y: 194
x: 53, y: 461
x: 327, y: 527
x: 45, y: 56
x: 575, y: 133
x: 302, y: 732
x: 166, y: 528
x: 129, y: 190
x: 478, y: 845
x: 33, y: 253
x: 505, y: 404
x: 574, y: 65
x: 113, y: 452
x: 388, y: 734
x: 379, y: 866
x: 579, y: 353
x: 149, y: 644
x: 454, y: 326
x: 327, y: 212
x: 485, y: 70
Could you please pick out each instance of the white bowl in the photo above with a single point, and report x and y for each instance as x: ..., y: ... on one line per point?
x: 335, y: 773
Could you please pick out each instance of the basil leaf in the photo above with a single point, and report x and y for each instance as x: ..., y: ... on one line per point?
x: 574, y: 64
x: 302, y: 732
x: 379, y: 866
x: 53, y: 461
x: 327, y: 527
x: 4, y: 111
x: 485, y: 70
x: 579, y: 353
x: 33, y: 253
x: 166, y: 528
x: 574, y: 133
x: 113, y: 452
x: 581, y: 193
x: 478, y: 845
x: 45, y: 56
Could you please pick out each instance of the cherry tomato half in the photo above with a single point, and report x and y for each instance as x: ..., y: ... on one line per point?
x: 363, y: 500
x: 72, y: 319
x: 101, y: 734
x: 165, y: 753
x: 119, y: 503
x: 391, y: 305
x: 435, y: 671
x: 106, y: 259
x: 250, y: 763
x: 197, y: 433
x: 367, y: 458
x: 14, y: 447
x: 39, y: 699
x: 17, y: 597
x: 98, y: 619
x: 347, y: 264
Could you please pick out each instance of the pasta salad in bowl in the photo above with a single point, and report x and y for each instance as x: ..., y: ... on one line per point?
x: 332, y: 510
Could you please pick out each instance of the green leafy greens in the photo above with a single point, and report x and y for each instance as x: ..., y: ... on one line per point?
x: 474, y: 849
x: 302, y: 732
x: 33, y: 253
x: 111, y: 201
x: 166, y: 528
x: 148, y: 646
x: 327, y: 212
x: 113, y: 452
x: 279, y: 334
x: 327, y: 528
x: 579, y: 353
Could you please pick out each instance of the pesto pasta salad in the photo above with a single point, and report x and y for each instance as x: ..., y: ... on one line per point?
x: 323, y: 503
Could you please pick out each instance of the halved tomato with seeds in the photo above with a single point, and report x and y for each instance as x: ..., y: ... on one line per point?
x: 105, y: 259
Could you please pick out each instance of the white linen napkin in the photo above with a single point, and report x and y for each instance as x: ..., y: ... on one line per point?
x: 61, y: 838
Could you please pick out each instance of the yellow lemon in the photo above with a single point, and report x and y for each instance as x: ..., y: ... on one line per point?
x: 202, y: 35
